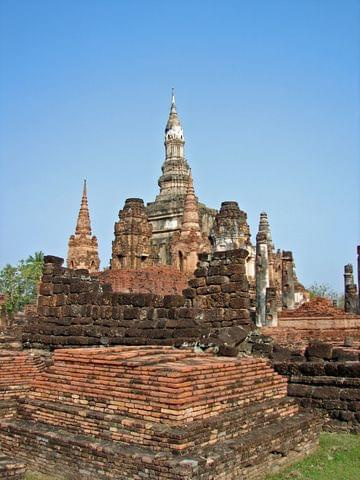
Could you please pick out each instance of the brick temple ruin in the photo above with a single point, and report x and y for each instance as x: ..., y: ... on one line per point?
x: 195, y: 355
x: 163, y: 239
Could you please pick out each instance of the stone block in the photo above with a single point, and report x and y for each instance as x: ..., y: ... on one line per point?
x: 173, y: 301
x: 52, y: 259
x: 217, y: 280
x: 319, y: 349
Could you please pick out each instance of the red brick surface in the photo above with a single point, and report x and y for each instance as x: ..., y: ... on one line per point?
x: 156, y: 413
x: 160, y: 280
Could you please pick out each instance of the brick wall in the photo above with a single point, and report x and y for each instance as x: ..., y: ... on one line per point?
x: 160, y: 280
x: 322, y: 377
x: 75, y: 309
x: 297, y: 331
x: 156, y: 413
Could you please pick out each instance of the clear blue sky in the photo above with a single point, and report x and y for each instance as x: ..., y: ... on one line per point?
x: 267, y: 91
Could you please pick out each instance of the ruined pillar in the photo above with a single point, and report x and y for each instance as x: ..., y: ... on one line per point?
x: 288, y: 281
x: 131, y: 247
x: 358, y: 275
x: 348, y: 275
x: 271, y: 307
x: 262, y: 270
x: 351, y: 294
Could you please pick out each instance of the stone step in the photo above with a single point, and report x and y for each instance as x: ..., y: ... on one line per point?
x: 155, y: 435
x: 11, y: 469
x: 249, y: 456
x: 8, y: 342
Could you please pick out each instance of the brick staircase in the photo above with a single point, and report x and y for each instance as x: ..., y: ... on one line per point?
x: 9, y: 342
x: 11, y: 469
x: 156, y: 413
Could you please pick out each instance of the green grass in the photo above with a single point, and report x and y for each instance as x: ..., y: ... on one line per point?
x: 337, y: 458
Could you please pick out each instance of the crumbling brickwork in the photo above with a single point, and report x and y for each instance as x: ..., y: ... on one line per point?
x: 160, y: 280
x: 131, y: 247
x: 327, y: 380
x: 187, y: 243
x: 11, y: 469
x: 75, y: 309
x: 316, y: 319
x: 157, y: 413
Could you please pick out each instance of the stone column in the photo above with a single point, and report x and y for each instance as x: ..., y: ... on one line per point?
x: 288, y: 281
x: 348, y: 275
x: 271, y: 307
x: 351, y: 294
x: 358, y: 275
x: 262, y: 277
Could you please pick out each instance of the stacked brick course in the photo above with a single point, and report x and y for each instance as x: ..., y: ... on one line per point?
x: 75, y: 309
x: 17, y: 372
x: 157, y: 412
x: 160, y: 280
x: 317, y: 319
x: 322, y: 377
x: 11, y: 469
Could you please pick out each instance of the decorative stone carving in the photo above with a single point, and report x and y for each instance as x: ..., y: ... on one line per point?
x: 189, y: 242
x: 230, y: 229
x: 166, y: 213
x: 131, y: 247
x: 83, y: 247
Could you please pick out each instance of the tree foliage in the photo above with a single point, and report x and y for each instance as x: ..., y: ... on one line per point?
x: 323, y: 290
x: 19, y: 283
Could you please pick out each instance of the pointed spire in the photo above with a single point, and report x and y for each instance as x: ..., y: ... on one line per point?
x: 83, y: 226
x: 173, y: 104
x: 191, y: 210
x: 173, y: 126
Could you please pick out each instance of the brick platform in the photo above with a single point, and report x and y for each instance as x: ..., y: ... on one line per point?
x: 301, y: 330
x: 157, y: 412
x: 11, y: 469
x: 327, y: 379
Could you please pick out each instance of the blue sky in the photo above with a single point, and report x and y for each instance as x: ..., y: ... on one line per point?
x: 268, y: 95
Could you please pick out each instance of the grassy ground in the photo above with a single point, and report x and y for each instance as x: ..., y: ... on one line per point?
x: 338, y: 458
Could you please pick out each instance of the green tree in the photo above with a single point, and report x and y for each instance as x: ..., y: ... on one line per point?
x: 325, y: 291
x: 19, y: 283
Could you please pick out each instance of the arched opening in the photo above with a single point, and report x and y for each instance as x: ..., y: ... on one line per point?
x: 71, y: 264
x: 121, y: 259
x: 181, y: 261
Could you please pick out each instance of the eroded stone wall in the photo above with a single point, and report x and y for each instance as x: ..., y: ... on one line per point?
x: 75, y: 309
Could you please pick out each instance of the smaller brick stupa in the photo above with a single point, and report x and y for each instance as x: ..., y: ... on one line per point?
x: 189, y: 241
x: 83, y: 247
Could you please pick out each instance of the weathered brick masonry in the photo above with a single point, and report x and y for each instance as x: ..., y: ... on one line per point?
x: 75, y: 309
x: 322, y: 377
x: 317, y: 319
x: 161, y: 280
x: 157, y: 412
x: 151, y: 411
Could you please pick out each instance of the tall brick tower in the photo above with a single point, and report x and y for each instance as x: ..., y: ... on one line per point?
x: 83, y: 247
x: 189, y: 241
x: 166, y: 212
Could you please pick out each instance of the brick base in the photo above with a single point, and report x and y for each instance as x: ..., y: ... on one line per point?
x: 11, y: 469
x: 156, y: 413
